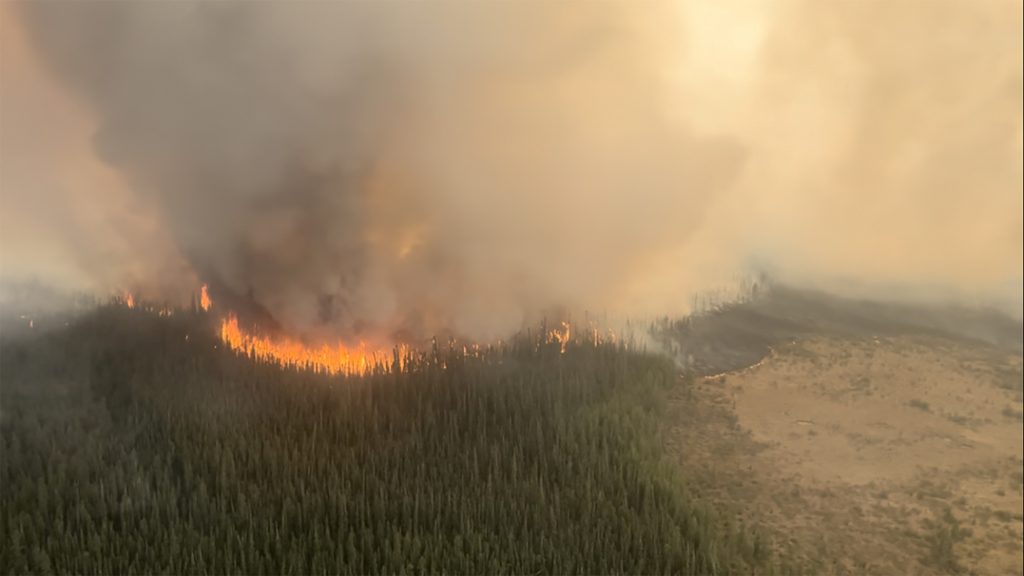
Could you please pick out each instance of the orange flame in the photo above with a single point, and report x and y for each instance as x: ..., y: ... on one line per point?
x: 204, y: 298
x: 354, y: 360
x: 562, y: 336
x: 129, y: 299
x: 333, y: 359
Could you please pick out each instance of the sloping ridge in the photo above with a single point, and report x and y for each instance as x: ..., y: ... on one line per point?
x: 742, y: 334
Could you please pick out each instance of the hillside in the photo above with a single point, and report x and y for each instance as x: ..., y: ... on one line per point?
x: 136, y: 443
x: 866, y: 437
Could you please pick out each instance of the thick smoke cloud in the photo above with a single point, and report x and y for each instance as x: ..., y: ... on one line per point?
x: 367, y: 169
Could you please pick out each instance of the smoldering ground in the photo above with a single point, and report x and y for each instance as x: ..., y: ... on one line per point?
x: 367, y: 168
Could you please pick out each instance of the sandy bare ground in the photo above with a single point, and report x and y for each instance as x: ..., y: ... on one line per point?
x: 891, y: 455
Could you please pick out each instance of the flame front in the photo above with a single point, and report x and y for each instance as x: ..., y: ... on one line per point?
x: 204, y: 298
x: 333, y: 359
x: 561, y: 335
x: 342, y: 359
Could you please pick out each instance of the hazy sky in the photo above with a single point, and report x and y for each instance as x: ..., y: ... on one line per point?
x: 362, y: 168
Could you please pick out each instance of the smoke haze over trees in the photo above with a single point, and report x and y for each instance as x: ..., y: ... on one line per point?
x: 360, y: 169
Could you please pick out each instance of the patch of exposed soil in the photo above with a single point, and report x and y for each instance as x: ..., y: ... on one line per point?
x: 886, y: 455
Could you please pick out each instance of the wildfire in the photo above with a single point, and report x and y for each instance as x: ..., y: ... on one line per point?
x: 561, y: 335
x: 127, y: 299
x: 333, y: 359
x: 204, y: 298
x: 340, y: 358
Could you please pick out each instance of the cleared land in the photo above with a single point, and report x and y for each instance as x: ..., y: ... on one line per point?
x: 883, y: 447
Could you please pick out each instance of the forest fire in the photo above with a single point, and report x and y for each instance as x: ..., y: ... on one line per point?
x: 204, y: 298
x: 562, y: 335
x: 339, y: 358
x: 333, y: 359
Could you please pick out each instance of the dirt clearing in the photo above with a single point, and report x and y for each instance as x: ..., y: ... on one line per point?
x: 892, y: 455
x: 861, y: 437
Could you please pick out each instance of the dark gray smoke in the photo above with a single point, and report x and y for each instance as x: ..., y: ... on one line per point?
x: 365, y: 169
x: 363, y: 166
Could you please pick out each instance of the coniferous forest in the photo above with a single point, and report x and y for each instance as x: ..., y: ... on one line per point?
x: 136, y: 443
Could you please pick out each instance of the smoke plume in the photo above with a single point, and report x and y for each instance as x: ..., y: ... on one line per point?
x: 370, y: 169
